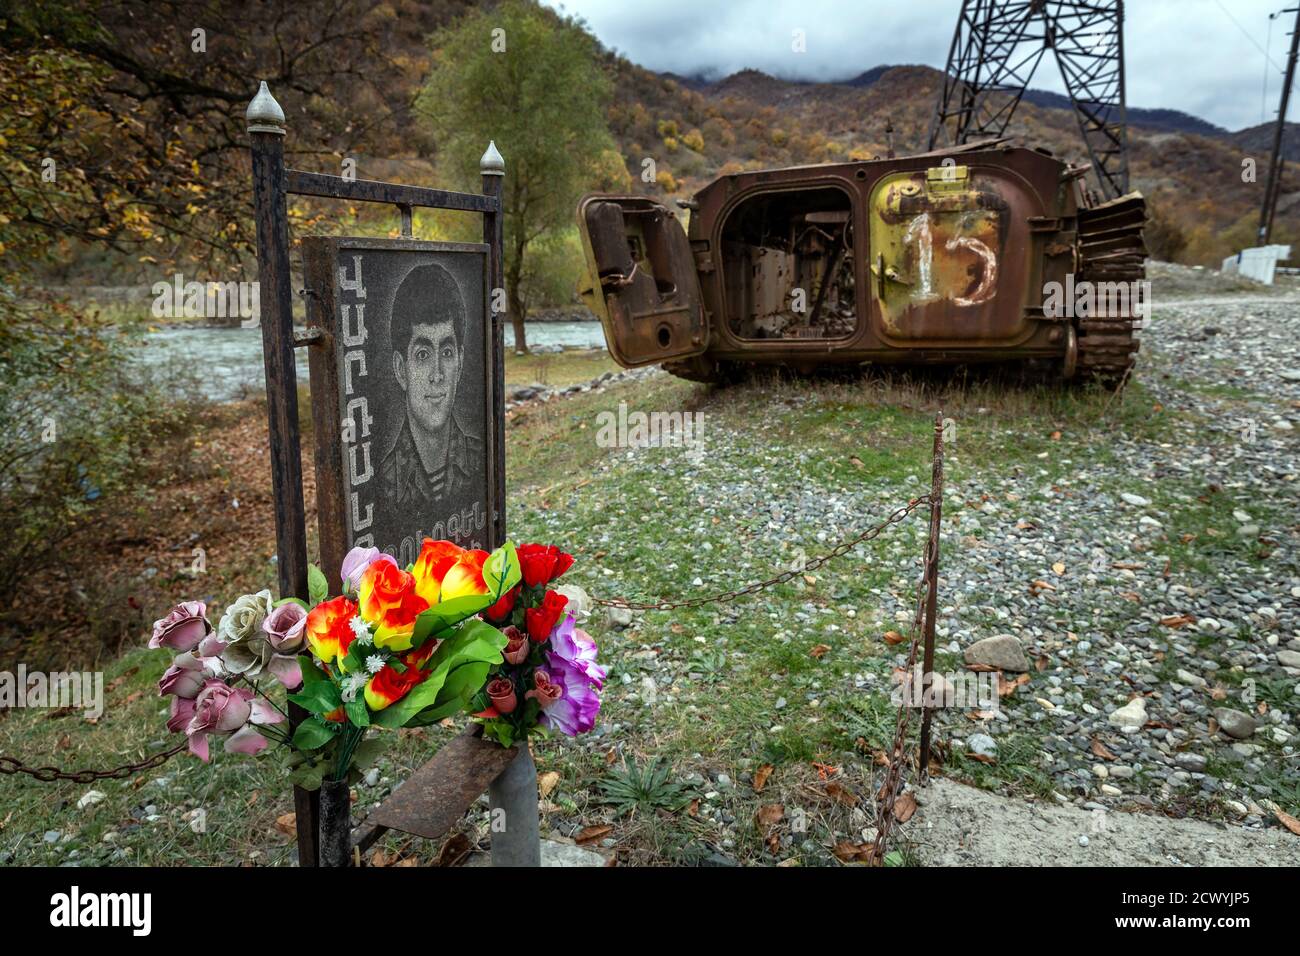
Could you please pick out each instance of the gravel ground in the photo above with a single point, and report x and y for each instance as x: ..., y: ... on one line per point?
x: 1202, y: 664
x: 1144, y: 573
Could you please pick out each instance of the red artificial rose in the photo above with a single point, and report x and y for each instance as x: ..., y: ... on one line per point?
x: 542, y: 563
x: 500, y: 611
x: 540, y: 621
x: 502, y: 694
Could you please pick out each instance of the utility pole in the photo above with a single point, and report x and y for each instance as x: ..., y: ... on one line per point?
x: 1273, y: 187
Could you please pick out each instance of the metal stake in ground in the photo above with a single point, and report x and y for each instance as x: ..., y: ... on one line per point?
x: 932, y: 594
x: 266, y: 130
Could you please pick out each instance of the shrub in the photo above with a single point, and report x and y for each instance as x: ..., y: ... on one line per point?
x: 80, y: 414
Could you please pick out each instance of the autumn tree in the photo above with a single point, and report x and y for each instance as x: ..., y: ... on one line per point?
x: 529, y: 80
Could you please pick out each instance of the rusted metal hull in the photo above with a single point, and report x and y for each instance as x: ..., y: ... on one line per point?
x: 942, y: 258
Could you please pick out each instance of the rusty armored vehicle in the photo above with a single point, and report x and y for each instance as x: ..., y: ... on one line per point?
x: 944, y: 257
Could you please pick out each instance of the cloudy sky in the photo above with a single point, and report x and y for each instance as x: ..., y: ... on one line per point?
x: 1205, y: 57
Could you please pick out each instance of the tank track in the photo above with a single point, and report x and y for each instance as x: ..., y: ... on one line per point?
x: 1110, y: 250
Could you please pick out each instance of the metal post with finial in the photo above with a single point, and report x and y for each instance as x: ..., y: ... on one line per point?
x: 493, y: 169
x: 266, y: 129
x: 513, y: 795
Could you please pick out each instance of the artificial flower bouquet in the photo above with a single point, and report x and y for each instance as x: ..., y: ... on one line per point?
x: 400, y: 647
x: 548, y: 678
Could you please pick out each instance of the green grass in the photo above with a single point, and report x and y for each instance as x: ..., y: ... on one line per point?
x: 639, y: 523
x: 558, y: 369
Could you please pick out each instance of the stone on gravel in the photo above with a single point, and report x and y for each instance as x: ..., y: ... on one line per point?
x: 982, y: 745
x: 1289, y: 658
x: 1234, y: 723
x: 1002, y: 651
x: 1136, y: 500
x: 1131, y: 716
x: 618, y: 617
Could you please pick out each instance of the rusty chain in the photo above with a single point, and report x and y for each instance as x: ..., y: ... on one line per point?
x: 9, y: 766
x: 784, y: 576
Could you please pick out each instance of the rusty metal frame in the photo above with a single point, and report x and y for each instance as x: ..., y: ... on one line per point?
x: 272, y: 183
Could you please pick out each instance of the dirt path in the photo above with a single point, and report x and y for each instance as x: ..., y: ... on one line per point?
x: 958, y: 825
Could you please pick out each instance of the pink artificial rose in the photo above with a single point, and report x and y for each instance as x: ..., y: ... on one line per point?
x: 182, y: 628
x: 286, y: 632
x: 502, y: 694
x: 231, y: 712
x: 516, y: 652
x: 544, y: 692
x: 185, y: 678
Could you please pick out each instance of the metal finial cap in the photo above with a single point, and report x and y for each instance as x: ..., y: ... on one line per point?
x: 264, y: 114
x: 492, y: 163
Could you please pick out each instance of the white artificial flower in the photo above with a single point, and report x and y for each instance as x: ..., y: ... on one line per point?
x: 351, y: 685
x: 361, y: 629
x: 375, y: 663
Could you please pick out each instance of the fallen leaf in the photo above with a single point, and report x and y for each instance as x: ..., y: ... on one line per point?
x: 769, y: 814
x: 1041, y: 662
x: 1099, y: 750
x: 810, y: 579
x: 1056, y: 436
x: 380, y: 858
x: 546, y: 783
x: 1177, y: 620
x: 841, y: 794
x: 1219, y: 693
x: 1288, y: 821
x: 893, y: 637
x: 820, y: 651
x: 408, y: 861
x: 761, y: 775
x: 1058, y: 568
x: 693, y: 810
x: 847, y: 851
x: 1038, y: 585
x: 454, y: 851
x: 1008, y: 687
x: 904, y: 807
x: 593, y: 833
x: 855, y: 460
x: 288, y: 823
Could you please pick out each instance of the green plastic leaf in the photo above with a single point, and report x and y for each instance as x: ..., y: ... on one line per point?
x: 311, y: 672
x: 357, y: 712
x: 473, y: 641
x: 317, y: 696
x: 457, y: 690
x: 318, y: 588
x: 312, y: 734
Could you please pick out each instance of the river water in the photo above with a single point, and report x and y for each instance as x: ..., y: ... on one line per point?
x: 227, y: 362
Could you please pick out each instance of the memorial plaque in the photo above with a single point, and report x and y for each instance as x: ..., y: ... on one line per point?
x: 407, y: 375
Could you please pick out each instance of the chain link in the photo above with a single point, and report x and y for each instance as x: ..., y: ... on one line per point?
x: 784, y: 576
x: 10, y: 766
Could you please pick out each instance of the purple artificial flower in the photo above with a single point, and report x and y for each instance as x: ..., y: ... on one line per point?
x: 576, y: 647
x: 575, y: 712
x: 355, y: 563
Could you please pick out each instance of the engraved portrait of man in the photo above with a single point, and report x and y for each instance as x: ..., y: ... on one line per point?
x: 436, y: 461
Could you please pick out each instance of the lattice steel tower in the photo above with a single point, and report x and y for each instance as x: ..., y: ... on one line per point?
x: 995, y: 50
